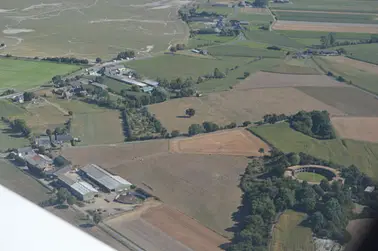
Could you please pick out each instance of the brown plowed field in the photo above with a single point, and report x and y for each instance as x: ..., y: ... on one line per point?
x: 363, y: 66
x: 204, y: 187
x: 184, y: 229
x: 329, y: 27
x: 235, y: 106
x: 231, y: 142
x: 357, y: 128
x: 271, y: 80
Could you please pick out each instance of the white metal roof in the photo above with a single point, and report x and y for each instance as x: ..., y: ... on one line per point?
x: 26, y: 226
x: 83, y: 187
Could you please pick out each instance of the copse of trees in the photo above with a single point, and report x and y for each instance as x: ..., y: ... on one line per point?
x: 316, y: 124
x: 195, y: 129
x: 125, y: 54
x: 28, y: 96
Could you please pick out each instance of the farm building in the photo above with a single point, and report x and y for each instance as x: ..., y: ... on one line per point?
x: 107, y: 181
x: 22, y: 152
x: 151, y: 82
x: 127, y: 198
x: 147, y: 89
x: 81, y: 189
x: 38, y: 163
x: 60, y: 139
x: 18, y: 98
x: 43, y: 141
x: 369, y: 189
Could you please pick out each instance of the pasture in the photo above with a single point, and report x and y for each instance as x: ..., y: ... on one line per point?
x: 229, y: 142
x: 298, y: 67
x: 288, y: 234
x: 225, y: 107
x: 357, y: 128
x: 243, y: 51
x: 10, y: 140
x: 273, y: 38
x: 17, y: 181
x: 349, y: 100
x: 325, y: 27
x: 90, y: 29
x: 333, y: 17
x: 204, y: 187
x: 175, y: 66
x: 360, y: 74
x: 22, y: 75
x: 344, y: 152
x: 363, y: 52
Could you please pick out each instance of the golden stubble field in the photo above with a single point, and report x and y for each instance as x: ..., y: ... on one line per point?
x: 357, y: 128
x: 236, y: 106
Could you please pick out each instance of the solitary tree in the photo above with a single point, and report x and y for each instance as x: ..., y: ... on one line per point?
x: 28, y: 96
x: 173, y: 49
x: 97, y: 218
x: 48, y: 132
x: 98, y: 60
x: 262, y: 151
x: 190, y: 112
x: 246, y: 74
x: 71, y: 200
x: 70, y: 113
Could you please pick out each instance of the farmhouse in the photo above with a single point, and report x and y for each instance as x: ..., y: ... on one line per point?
x: 322, y: 52
x: 81, y: 189
x: 18, y: 98
x: 22, y: 152
x: 107, y: 181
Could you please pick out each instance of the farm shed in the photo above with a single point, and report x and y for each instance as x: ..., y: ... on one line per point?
x: 22, y: 152
x: 147, y: 89
x: 151, y: 82
x: 38, y: 163
x: 81, y: 189
x: 107, y: 181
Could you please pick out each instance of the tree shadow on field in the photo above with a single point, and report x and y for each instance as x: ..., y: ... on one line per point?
x: 86, y: 225
x: 182, y: 117
x: 11, y: 133
x: 61, y: 206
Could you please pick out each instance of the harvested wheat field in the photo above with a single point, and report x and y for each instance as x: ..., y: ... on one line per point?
x: 269, y: 80
x: 235, y: 106
x: 184, y: 229
x: 230, y: 142
x: 357, y: 128
x: 323, y: 26
x: 360, y: 65
x: 204, y: 187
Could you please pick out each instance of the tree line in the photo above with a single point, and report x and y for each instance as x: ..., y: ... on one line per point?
x: 125, y: 54
x: 66, y: 60
x: 330, y: 41
x: 18, y: 126
x: 266, y: 194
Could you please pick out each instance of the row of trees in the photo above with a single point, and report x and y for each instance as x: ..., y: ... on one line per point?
x: 18, y: 126
x: 177, y: 47
x: 328, y: 205
x: 330, y: 40
x: 207, y: 127
x: 66, y: 60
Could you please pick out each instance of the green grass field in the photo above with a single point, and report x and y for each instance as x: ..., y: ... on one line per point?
x: 345, y: 152
x: 243, y: 51
x: 202, y: 40
x: 22, y: 75
x: 288, y: 67
x: 326, y: 17
x: 310, y: 177
x: 252, y: 18
x: 174, y: 66
x: 289, y: 235
x: 363, y: 52
x: 17, y: 181
x: 329, y: 5
x: 363, y: 79
x: 318, y: 34
x: 273, y: 38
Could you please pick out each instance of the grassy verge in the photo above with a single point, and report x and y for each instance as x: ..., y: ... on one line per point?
x: 310, y: 177
x: 345, y: 152
x: 289, y: 235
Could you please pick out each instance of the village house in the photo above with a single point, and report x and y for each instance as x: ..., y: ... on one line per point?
x: 38, y: 163
x: 18, y: 98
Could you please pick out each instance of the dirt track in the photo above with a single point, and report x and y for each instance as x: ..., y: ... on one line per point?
x: 357, y: 128
x: 230, y: 142
x: 329, y: 27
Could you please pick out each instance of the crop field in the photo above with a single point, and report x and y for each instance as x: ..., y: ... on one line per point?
x: 17, y: 181
x: 323, y: 26
x: 360, y: 74
x: 344, y: 152
x: 85, y: 27
x: 327, y: 17
x: 271, y: 80
x: 174, y: 66
x: 204, y: 187
x: 310, y: 177
x: 184, y: 229
x: 361, y: 66
x: 289, y: 235
x: 332, y: 6
x: 243, y: 51
x: 225, y: 107
x: 351, y: 101
x: 317, y: 34
x: 273, y: 38
x: 23, y: 75
x: 364, y: 52
x: 288, y: 68
x: 357, y: 128
x: 236, y: 76
x: 230, y: 142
